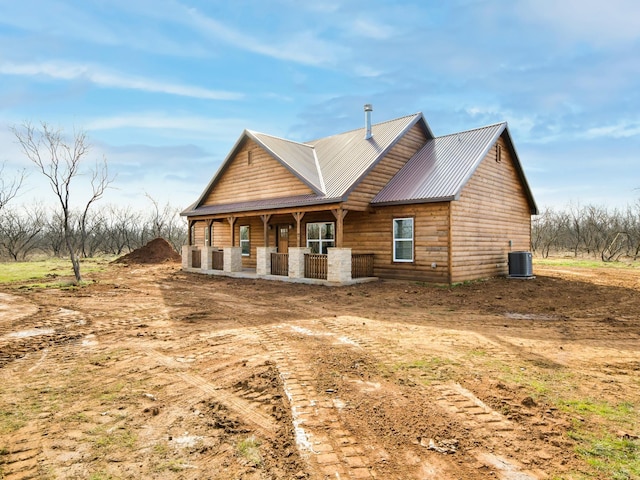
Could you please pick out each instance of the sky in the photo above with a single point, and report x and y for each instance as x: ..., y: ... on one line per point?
x: 164, y: 88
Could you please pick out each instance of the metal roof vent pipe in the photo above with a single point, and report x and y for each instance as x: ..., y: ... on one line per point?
x: 367, y: 121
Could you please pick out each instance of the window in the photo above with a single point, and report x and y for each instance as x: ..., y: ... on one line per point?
x: 321, y: 236
x: 403, y: 239
x: 249, y: 157
x: 245, y: 245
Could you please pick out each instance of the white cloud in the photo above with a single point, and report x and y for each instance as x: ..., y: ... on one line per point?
x: 213, y: 128
x: 590, y: 21
x: 300, y: 47
x: 103, y: 78
x: 371, y: 29
x: 619, y: 130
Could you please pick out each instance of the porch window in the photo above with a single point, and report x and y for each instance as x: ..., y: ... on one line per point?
x: 321, y: 236
x: 245, y: 245
x: 403, y: 239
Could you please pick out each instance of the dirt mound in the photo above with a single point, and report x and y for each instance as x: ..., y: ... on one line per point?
x: 157, y: 250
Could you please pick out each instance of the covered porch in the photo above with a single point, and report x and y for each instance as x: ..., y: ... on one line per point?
x: 304, y: 246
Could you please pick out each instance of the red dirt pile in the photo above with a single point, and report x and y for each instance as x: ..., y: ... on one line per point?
x: 157, y: 250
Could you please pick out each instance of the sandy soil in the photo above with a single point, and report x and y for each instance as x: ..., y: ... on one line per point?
x: 150, y: 372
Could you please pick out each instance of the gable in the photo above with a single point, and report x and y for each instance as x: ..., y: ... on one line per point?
x: 442, y: 168
x: 253, y: 174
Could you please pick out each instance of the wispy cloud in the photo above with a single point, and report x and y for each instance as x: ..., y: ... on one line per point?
x: 213, y: 128
x: 300, y: 47
x: 589, y: 21
x: 103, y: 78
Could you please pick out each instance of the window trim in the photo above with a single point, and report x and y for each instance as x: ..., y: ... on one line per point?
x: 321, y: 241
x: 412, y: 240
x: 247, y: 241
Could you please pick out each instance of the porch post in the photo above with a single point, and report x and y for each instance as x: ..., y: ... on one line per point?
x: 232, y: 259
x: 265, y: 221
x: 339, y: 213
x: 232, y: 221
x: 207, y: 258
x: 263, y: 260
x: 339, y: 265
x: 187, y: 256
x: 298, y: 217
x: 189, y: 227
x: 296, y: 261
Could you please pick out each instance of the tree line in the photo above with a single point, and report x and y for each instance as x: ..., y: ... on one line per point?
x: 588, y: 230
x: 28, y: 231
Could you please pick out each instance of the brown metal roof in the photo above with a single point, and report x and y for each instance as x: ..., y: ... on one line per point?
x: 439, y: 170
x: 333, y: 166
x: 330, y: 166
x: 264, y: 204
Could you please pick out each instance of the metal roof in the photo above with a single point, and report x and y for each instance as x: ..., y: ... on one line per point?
x: 330, y: 166
x: 345, y: 158
x: 333, y: 166
x: 264, y: 204
x: 439, y: 170
x: 298, y: 157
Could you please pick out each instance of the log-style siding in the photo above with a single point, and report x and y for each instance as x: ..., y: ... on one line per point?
x: 492, y: 210
x: 372, y: 232
x: 262, y: 177
x: 386, y: 168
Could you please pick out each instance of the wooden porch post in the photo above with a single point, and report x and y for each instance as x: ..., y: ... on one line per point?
x: 298, y: 216
x: 265, y: 221
x: 209, y: 235
x: 339, y: 213
x: 232, y: 221
x: 189, y: 232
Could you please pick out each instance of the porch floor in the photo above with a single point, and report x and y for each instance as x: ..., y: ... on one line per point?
x: 250, y: 273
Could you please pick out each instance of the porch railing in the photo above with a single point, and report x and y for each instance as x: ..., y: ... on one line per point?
x: 315, y: 266
x: 196, y: 259
x: 280, y: 264
x: 361, y: 265
x: 218, y: 260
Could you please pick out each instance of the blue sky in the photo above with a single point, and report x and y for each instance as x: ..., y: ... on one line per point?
x: 164, y: 88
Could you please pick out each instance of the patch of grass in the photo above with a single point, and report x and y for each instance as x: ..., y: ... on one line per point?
x: 249, y: 449
x: 104, y: 437
x: 173, y: 465
x: 583, y: 263
x: 49, y: 269
x: 112, y: 392
x: 612, y: 457
x: 101, y: 475
x: 619, y: 413
x: 12, y: 420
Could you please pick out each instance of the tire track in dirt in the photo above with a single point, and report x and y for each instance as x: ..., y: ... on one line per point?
x: 20, y: 460
x: 262, y: 422
x: 455, y: 400
x: 330, y: 449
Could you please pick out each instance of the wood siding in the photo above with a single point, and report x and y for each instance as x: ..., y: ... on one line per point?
x: 492, y: 210
x: 386, y: 168
x: 372, y: 232
x: 264, y: 177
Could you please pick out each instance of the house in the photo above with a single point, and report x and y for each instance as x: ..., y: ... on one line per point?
x: 388, y: 200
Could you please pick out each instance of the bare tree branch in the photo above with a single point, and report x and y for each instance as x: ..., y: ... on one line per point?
x: 59, y: 161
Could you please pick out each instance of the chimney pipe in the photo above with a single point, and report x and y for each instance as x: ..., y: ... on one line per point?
x: 367, y: 121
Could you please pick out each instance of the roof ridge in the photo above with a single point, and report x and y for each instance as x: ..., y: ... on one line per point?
x: 472, y: 129
x: 253, y: 132
x: 361, y: 128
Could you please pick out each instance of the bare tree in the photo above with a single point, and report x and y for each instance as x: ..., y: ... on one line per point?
x: 59, y: 161
x: 19, y: 232
x: 9, y: 188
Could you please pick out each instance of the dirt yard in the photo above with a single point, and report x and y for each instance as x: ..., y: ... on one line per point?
x: 150, y: 372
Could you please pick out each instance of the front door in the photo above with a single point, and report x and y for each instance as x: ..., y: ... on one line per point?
x: 283, y: 239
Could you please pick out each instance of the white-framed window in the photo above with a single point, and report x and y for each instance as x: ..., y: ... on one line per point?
x: 245, y: 244
x: 403, y: 239
x: 320, y: 236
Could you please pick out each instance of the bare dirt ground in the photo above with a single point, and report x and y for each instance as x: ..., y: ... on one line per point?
x: 150, y: 372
